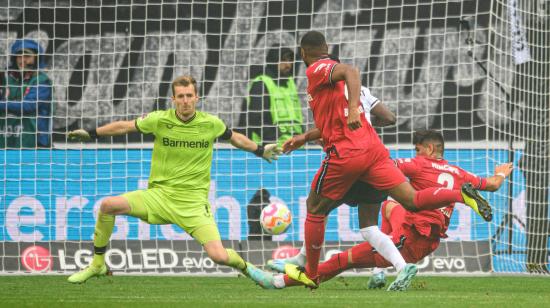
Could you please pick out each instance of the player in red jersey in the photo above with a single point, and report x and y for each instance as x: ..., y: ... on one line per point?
x: 415, y: 234
x: 354, y: 152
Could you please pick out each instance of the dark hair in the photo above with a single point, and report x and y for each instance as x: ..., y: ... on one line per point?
x: 184, y: 81
x: 278, y: 54
x: 313, y: 39
x: 431, y: 137
x: 287, y: 54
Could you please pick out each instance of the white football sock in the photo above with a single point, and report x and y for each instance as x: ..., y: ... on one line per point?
x: 300, y: 258
x: 279, y: 281
x: 377, y: 270
x: 385, y: 247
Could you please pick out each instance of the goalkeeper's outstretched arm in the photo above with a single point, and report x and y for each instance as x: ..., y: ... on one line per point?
x: 268, y: 152
x: 112, y: 129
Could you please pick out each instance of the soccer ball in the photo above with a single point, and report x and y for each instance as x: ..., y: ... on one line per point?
x: 275, y: 218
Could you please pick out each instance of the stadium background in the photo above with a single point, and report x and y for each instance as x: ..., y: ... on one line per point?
x: 116, y: 61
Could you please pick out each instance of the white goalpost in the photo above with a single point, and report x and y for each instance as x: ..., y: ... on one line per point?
x: 478, y: 71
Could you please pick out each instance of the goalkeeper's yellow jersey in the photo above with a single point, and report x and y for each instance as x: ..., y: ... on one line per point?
x: 182, y: 154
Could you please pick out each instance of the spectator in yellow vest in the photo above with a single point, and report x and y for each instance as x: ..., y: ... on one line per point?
x: 271, y: 113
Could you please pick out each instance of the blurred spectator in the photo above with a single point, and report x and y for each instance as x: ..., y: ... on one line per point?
x: 25, y: 99
x: 272, y: 113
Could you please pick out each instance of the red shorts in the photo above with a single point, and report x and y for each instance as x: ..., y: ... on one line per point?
x: 412, y: 245
x: 336, y: 175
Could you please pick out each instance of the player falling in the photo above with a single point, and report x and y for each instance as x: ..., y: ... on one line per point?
x: 180, y: 176
x: 416, y: 234
x: 354, y: 152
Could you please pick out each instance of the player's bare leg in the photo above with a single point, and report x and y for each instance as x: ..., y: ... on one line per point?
x: 110, y: 207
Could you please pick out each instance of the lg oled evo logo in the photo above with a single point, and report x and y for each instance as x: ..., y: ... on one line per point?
x: 198, y: 144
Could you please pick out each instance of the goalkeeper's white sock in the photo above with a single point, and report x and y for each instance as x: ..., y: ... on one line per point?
x: 385, y: 247
x: 279, y: 281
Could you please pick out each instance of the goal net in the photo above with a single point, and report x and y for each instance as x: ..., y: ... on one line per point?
x: 477, y: 71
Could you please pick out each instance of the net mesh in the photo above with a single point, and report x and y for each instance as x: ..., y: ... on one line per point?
x: 477, y: 71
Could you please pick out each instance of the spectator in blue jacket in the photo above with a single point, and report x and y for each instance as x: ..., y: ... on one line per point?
x: 25, y: 98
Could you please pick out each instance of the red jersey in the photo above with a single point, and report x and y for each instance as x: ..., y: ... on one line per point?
x: 330, y: 111
x: 424, y: 172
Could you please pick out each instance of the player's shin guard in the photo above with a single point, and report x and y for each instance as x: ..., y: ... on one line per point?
x: 314, y: 230
x: 436, y: 197
x: 334, y: 266
x: 234, y: 260
x: 103, y: 230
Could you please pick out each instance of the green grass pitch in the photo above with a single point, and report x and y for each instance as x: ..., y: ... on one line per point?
x: 171, y: 291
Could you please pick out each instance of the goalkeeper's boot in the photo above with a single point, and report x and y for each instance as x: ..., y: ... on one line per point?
x: 298, y: 273
x: 404, y: 278
x: 473, y: 199
x: 261, y: 278
x: 377, y: 281
x: 278, y: 265
x: 89, y: 272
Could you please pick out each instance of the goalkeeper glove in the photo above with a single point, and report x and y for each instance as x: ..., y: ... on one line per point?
x: 82, y: 135
x: 268, y: 152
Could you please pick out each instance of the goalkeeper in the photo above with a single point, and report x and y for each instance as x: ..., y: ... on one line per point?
x: 180, y: 176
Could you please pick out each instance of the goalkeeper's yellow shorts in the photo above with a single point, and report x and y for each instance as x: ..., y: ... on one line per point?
x: 157, y: 208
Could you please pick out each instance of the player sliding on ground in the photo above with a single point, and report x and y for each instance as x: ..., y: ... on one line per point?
x: 354, y: 153
x: 415, y: 234
x: 180, y: 176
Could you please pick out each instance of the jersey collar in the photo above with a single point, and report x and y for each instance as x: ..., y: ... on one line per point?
x: 185, y: 122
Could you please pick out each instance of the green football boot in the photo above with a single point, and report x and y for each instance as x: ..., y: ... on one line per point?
x: 261, y: 278
x: 377, y: 281
x: 297, y: 273
x: 89, y: 272
x: 404, y: 278
x: 473, y: 199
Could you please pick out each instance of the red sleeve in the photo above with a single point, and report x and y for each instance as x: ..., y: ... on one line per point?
x: 408, y: 166
x: 320, y: 73
x: 477, y: 181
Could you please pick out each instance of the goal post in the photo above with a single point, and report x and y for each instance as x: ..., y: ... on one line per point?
x: 519, y: 63
x: 477, y: 71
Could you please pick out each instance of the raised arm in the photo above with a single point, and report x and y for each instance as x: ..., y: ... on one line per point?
x: 112, y: 129
x: 350, y: 75
x: 501, y: 172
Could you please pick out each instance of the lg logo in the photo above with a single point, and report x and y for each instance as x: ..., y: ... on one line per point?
x: 285, y: 251
x: 36, y: 259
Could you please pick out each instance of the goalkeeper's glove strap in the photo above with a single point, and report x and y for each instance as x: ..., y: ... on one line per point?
x: 92, y: 133
x: 259, y: 151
